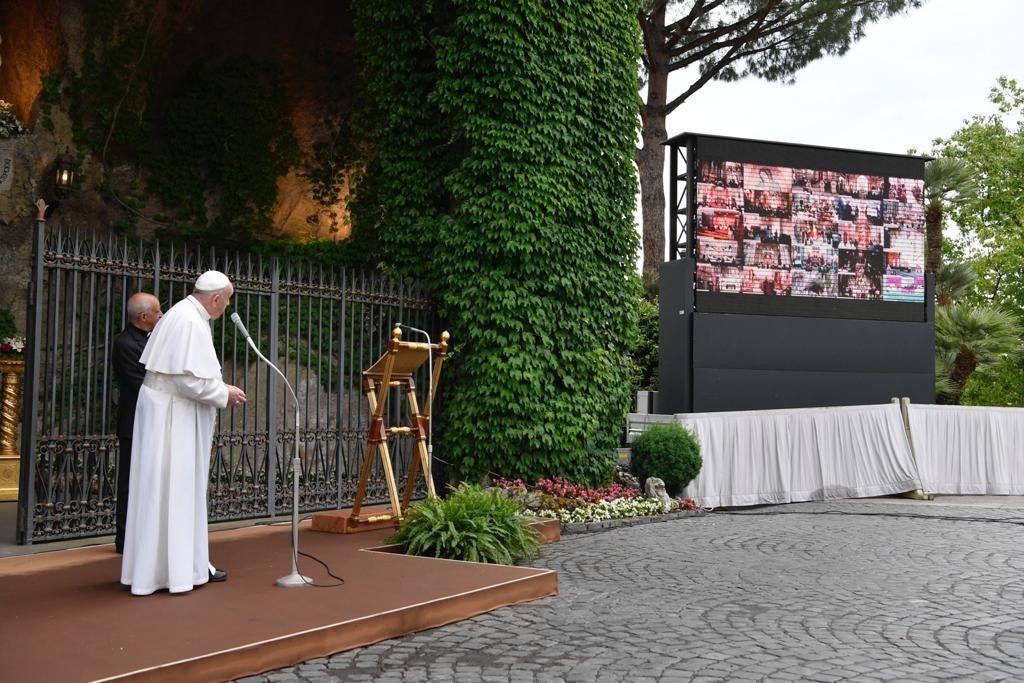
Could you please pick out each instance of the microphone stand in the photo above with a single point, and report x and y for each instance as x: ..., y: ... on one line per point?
x: 295, y: 579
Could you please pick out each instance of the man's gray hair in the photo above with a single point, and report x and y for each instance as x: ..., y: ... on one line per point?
x: 137, y: 305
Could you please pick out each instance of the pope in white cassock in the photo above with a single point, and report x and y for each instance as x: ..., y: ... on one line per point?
x: 166, y: 534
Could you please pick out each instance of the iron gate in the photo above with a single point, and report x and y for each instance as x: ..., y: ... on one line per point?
x: 323, y: 326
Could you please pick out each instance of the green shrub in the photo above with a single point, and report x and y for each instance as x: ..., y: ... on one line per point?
x: 472, y: 524
x: 669, y: 453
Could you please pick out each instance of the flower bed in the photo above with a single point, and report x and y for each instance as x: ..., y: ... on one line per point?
x: 606, y: 509
x: 573, y: 504
x: 605, y: 525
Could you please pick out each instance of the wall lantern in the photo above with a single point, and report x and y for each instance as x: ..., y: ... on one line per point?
x: 64, y: 174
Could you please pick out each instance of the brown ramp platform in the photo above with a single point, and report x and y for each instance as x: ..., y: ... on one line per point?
x: 65, y: 617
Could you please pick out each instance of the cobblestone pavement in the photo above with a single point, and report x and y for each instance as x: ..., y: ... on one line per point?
x: 864, y: 590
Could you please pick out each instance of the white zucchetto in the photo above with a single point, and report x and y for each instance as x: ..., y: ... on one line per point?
x: 212, y: 281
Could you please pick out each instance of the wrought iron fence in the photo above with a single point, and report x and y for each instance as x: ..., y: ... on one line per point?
x: 323, y: 326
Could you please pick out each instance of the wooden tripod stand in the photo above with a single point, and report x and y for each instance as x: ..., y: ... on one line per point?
x: 395, y: 370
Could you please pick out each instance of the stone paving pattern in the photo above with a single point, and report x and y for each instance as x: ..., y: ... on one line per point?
x: 866, y: 590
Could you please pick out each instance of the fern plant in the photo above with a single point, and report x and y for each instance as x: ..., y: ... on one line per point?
x: 472, y: 524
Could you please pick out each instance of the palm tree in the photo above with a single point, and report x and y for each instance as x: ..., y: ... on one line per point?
x: 967, y: 338
x: 953, y: 280
x: 947, y: 181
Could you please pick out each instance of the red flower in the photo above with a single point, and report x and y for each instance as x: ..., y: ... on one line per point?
x: 6, y: 348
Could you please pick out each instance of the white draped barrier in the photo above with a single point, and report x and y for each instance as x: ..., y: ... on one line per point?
x: 783, y: 456
x: 969, y: 449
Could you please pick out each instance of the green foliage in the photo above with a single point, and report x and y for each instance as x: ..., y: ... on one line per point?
x: 597, y: 469
x: 977, y: 347
x: 970, y: 336
x: 668, y: 452
x: 109, y: 93
x: 224, y: 128
x: 1001, y: 384
x: 643, y: 353
x: 991, y: 223
x: 948, y: 182
x: 218, y: 131
x: 7, y: 326
x: 49, y: 98
x: 331, y: 161
x: 503, y: 180
x: 953, y: 281
x: 471, y: 524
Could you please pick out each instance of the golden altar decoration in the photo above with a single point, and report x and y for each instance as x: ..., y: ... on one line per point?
x: 11, y: 370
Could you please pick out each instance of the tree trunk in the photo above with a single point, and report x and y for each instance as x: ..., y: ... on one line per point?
x: 933, y: 237
x: 650, y: 159
x: 963, y: 367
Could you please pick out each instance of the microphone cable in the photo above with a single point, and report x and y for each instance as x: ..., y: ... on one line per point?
x: 327, y: 568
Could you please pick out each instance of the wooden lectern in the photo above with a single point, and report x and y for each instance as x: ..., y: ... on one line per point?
x: 395, y: 370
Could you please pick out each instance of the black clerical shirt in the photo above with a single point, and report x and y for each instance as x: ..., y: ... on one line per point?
x: 130, y: 372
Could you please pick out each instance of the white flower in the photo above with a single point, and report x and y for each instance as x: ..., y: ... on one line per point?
x: 619, y: 508
x: 16, y: 344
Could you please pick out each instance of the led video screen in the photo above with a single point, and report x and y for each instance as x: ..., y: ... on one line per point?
x: 779, y: 231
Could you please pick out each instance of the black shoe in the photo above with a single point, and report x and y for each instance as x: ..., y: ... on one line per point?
x: 218, y: 576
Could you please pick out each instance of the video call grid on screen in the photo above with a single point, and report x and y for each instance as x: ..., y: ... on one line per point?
x: 797, y: 230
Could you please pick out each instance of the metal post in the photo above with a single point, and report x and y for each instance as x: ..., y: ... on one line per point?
x: 691, y: 187
x: 673, y: 204
x: 340, y: 415
x: 275, y: 310
x: 30, y: 401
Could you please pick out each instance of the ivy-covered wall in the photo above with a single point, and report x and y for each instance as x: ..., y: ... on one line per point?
x: 504, y: 180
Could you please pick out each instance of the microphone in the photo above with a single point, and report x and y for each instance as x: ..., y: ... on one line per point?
x: 295, y: 579
x: 241, y: 327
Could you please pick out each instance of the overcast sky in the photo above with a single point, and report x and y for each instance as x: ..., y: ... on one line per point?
x: 910, y: 79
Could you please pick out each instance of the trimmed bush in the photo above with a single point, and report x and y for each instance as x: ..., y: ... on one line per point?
x: 472, y: 524
x: 669, y: 453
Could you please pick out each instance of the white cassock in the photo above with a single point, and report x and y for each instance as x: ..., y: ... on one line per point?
x: 166, y: 534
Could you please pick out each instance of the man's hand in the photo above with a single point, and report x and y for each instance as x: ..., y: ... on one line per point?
x: 236, y: 396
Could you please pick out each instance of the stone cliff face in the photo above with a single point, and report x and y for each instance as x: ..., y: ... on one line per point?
x: 30, y: 45
x: 311, y: 43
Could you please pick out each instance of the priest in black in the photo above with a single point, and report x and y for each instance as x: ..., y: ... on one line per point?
x: 143, y: 312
